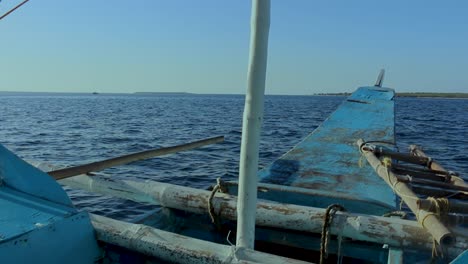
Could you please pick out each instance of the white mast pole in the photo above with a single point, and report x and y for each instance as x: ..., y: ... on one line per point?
x: 253, y: 116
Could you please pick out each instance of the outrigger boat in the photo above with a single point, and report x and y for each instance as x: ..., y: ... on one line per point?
x: 335, y: 197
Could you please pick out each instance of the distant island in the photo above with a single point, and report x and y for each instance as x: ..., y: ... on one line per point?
x: 426, y: 95
x: 438, y: 95
x: 161, y: 93
x: 334, y: 94
x: 14, y: 93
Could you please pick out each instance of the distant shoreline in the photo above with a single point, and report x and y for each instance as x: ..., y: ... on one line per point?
x: 434, y: 95
x: 414, y: 95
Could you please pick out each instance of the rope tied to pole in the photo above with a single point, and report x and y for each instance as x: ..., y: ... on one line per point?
x: 387, y: 163
x: 327, y: 220
x: 429, y: 162
x: 213, y: 215
x: 362, y: 157
x: 440, y: 208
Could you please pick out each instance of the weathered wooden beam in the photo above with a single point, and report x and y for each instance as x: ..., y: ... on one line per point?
x: 381, y: 230
x: 108, y: 163
x: 172, y: 247
x: 428, y: 220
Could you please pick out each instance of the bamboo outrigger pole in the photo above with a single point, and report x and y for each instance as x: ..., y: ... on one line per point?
x: 428, y: 220
x: 252, y: 121
x: 108, y: 163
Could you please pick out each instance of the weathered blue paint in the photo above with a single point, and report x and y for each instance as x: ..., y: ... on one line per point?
x: 461, y: 259
x: 395, y: 256
x: 328, y: 159
x: 314, y: 198
x: 68, y: 240
x: 353, y: 249
x: 38, y: 223
x: 20, y: 175
x: 22, y: 213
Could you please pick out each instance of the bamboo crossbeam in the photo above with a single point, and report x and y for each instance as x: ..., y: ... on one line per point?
x: 428, y: 220
x: 402, y: 156
x: 108, y: 163
x: 454, y: 206
x: 443, y: 185
x: 381, y: 230
x: 433, y: 191
x: 438, y: 173
x: 417, y: 151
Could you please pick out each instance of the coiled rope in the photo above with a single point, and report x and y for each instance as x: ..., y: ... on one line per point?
x: 327, y: 220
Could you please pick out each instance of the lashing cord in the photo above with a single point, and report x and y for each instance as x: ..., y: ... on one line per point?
x: 327, y: 220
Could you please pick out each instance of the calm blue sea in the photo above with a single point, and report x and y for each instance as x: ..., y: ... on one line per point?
x: 75, y: 129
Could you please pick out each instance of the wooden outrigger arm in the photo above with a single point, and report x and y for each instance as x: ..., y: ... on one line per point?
x: 108, y: 163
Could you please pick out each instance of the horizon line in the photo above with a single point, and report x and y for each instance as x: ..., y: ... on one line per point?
x: 191, y: 93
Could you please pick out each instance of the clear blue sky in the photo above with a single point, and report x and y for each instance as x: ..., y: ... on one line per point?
x: 202, y: 46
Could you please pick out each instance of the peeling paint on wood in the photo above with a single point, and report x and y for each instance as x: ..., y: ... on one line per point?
x: 382, y: 230
x: 328, y: 161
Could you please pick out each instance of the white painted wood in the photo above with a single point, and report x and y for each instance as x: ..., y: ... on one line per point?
x: 176, y: 248
x: 253, y: 116
x: 382, y: 230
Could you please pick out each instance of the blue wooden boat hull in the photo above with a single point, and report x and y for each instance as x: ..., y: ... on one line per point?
x: 327, y: 160
x: 38, y: 223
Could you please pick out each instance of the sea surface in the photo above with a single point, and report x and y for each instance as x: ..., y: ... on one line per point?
x: 67, y: 130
